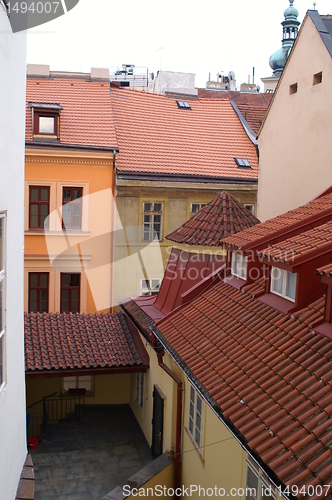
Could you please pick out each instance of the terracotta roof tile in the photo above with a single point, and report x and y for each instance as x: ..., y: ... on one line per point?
x: 156, y: 137
x: 277, y: 225
x: 280, y: 404
x: 253, y: 106
x: 86, y: 118
x: 55, y: 341
x: 303, y: 246
x: 325, y: 271
x: 222, y: 217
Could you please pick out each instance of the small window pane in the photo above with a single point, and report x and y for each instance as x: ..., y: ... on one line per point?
x: 277, y: 280
x: 44, y: 195
x: 157, y: 207
x: 1, y: 306
x: 65, y: 301
x: 34, y: 194
x: 67, y: 194
x: 46, y: 125
x: 252, y: 483
x: 33, y: 279
x: 77, y: 194
x: 1, y: 360
x: 65, y: 279
x: 34, y: 210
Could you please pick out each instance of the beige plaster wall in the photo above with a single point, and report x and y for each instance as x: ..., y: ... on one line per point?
x: 295, y: 142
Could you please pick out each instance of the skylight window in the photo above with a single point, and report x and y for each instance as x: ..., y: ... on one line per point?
x: 242, y: 163
x: 183, y: 104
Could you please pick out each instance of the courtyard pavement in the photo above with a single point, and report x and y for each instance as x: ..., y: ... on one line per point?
x: 85, y: 460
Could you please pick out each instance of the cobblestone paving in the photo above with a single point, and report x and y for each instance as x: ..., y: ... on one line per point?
x: 85, y: 460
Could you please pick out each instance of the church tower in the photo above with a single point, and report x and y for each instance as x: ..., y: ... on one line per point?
x: 290, y: 29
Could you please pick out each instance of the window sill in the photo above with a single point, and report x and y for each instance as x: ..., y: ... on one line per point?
x: 71, y: 232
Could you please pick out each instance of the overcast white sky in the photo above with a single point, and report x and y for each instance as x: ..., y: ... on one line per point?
x: 198, y: 37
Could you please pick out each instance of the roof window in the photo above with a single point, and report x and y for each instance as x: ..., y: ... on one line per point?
x: 283, y: 283
x: 239, y: 265
x: 183, y: 104
x: 242, y: 163
x: 45, y: 120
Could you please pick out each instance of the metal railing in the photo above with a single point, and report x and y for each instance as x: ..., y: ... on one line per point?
x: 54, y: 409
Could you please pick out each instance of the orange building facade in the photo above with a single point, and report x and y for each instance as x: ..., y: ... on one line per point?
x: 69, y: 184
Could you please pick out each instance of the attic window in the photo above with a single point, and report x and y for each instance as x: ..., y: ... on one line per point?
x: 183, y: 104
x: 45, y: 120
x: 283, y: 283
x: 239, y: 265
x: 293, y: 89
x: 242, y: 163
x: 318, y: 78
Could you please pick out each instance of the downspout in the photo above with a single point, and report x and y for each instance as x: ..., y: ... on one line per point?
x: 112, y: 229
x: 178, y: 382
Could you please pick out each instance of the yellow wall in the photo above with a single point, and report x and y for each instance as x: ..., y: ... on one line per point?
x: 108, y: 389
x: 155, y: 376
x: 165, y: 478
x: 135, y: 259
x: 87, y: 251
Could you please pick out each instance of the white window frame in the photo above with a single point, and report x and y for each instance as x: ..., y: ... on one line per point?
x: 140, y: 388
x: 262, y: 482
x: 151, y: 288
x: 250, y: 207
x: 78, y: 382
x: 239, y: 265
x: 3, y: 364
x: 284, y: 274
x: 195, y: 417
x: 151, y: 234
x: 199, y: 207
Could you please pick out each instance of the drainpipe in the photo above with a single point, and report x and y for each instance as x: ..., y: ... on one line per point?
x: 162, y: 365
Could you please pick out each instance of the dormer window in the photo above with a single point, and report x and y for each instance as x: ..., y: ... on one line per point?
x: 45, y: 120
x: 239, y: 265
x: 283, y: 283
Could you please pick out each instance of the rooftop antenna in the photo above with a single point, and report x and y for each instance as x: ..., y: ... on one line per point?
x: 314, y: 4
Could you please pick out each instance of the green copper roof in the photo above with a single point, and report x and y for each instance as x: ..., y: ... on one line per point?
x: 290, y: 30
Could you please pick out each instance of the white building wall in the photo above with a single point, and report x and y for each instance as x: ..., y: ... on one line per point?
x: 12, y: 122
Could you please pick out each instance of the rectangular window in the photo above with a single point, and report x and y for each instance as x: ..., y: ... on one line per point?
x: 140, y: 388
x: 283, y: 283
x: 239, y: 265
x: 195, y: 419
x: 39, y: 207
x: 72, y: 208
x: 318, y: 78
x: 38, y: 292
x: 45, y: 123
x: 251, y: 208
x: 2, y: 300
x: 152, y: 221
x: 70, y: 292
x: 72, y: 384
x: 257, y: 485
x: 195, y: 207
x: 293, y: 89
x: 242, y: 162
x: 150, y: 287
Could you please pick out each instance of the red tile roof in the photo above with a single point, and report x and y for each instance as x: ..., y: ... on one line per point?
x: 158, y: 138
x: 186, y: 274
x: 325, y: 271
x: 253, y: 106
x: 280, y: 225
x: 86, y: 118
x: 222, y: 217
x: 269, y: 374
x: 302, y: 247
x: 74, y: 341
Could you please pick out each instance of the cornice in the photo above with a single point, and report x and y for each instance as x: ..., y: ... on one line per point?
x: 82, y: 162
